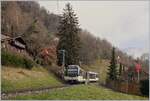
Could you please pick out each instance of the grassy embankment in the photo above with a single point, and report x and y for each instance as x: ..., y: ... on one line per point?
x: 80, y: 92
x: 19, y: 79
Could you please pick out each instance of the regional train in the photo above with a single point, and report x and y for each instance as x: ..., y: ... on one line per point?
x: 73, y: 73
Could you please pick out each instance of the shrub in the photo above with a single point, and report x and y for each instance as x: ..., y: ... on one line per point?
x: 39, y: 61
x: 144, y: 87
x: 10, y: 59
x: 28, y: 63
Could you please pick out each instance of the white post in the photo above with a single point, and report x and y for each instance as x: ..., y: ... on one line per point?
x: 87, y: 78
x: 138, y: 76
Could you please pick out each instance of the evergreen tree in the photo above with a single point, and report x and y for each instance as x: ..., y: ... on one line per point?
x: 112, y: 71
x: 68, y: 37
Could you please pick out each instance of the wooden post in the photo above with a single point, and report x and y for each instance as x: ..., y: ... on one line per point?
x: 127, y: 86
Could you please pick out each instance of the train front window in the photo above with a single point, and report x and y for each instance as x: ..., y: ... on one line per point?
x: 92, y: 76
x: 72, y: 71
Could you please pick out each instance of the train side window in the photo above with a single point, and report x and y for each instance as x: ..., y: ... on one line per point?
x: 80, y: 73
x: 92, y: 76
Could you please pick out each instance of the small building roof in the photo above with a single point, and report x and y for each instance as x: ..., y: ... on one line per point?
x: 92, y: 72
x: 17, y: 41
x: 19, y: 38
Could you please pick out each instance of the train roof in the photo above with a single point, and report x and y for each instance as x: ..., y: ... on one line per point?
x: 75, y: 66
x: 92, y: 72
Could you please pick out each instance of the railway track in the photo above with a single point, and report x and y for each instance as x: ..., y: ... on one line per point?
x: 9, y: 95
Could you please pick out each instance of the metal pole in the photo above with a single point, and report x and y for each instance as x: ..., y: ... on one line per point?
x: 63, y: 57
x: 63, y: 62
x: 63, y: 53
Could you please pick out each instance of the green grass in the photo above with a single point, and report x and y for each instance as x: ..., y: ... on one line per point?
x: 81, y: 92
x: 18, y: 79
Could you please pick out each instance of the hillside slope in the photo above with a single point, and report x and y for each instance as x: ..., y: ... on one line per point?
x: 21, y: 79
x: 18, y: 17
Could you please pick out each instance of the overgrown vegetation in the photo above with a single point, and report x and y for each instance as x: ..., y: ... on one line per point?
x: 31, y: 36
x: 81, y: 92
x: 10, y: 59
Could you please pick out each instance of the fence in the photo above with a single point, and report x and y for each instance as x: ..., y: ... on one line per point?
x: 124, y: 86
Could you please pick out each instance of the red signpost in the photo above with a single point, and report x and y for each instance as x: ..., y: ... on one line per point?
x: 138, y: 69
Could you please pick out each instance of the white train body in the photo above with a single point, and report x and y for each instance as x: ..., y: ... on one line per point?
x: 75, y: 73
